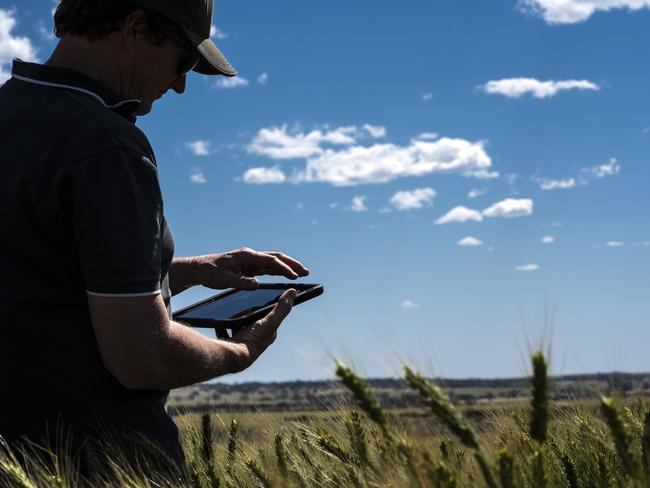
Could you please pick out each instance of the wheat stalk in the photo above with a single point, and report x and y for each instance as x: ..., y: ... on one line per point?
x: 611, y: 410
x: 505, y: 464
x: 539, y: 402
x: 440, y: 405
x: 365, y: 398
x: 258, y: 473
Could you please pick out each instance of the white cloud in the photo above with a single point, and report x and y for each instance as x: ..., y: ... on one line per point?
x: 527, y: 267
x: 12, y: 47
x: 428, y: 136
x: 410, y: 200
x: 546, y: 184
x: 510, y: 207
x: 262, y: 176
x: 199, y: 147
x: 573, y: 11
x: 382, y: 163
x: 263, y: 79
x: 375, y: 131
x: 516, y: 87
x: 615, y: 244
x: 358, y: 204
x: 470, y: 241
x: 460, y: 214
x: 427, y: 97
x: 198, y: 177
x: 217, y: 33
x: 475, y: 193
x: 409, y: 304
x: 585, y: 176
x: 600, y: 171
x: 377, y: 163
x: 300, y: 205
x: 230, y: 82
x: 280, y: 143
x: 548, y: 240
x: 46, y: 33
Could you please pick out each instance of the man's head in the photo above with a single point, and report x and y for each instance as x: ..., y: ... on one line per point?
x: 153, y: 43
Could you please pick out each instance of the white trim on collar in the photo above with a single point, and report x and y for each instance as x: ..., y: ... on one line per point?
x: 75, y: 88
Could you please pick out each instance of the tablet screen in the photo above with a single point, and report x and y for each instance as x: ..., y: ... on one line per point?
x: 238, y: 303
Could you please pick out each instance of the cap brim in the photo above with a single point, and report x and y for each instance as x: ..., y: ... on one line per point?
x: 212, y: 61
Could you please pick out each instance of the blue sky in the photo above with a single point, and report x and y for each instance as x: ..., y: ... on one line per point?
x: 461, y: 176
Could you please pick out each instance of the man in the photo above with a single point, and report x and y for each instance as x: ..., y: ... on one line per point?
x: 85, y: 251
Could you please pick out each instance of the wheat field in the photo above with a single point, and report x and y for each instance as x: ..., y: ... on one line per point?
x: 603, y: 442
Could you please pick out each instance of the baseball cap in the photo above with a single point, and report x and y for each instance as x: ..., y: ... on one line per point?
x: 194, y: 18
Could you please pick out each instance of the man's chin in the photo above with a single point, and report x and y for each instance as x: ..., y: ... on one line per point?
x: 144, y: 108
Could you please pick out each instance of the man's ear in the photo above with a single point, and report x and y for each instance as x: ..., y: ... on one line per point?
x: 133, y: 28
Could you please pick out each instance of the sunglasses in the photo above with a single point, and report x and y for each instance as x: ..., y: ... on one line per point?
x: 189, y: 58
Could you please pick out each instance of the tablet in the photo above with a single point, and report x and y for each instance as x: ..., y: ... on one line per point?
x: 234, y: 309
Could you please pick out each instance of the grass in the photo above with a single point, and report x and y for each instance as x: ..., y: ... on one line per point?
x: 533, y: 442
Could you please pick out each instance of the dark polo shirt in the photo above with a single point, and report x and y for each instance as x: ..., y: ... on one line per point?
x: 81, y: 213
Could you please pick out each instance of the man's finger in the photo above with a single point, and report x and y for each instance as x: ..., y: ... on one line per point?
x: 280, y: 311
x: 265, y: 263
x: 294, y: 264
x: 241, y: 282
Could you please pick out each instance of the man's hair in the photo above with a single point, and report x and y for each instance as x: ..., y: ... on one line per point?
x: 96, y: 19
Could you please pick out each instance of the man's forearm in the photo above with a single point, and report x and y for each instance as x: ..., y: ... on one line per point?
x: 184, y: 357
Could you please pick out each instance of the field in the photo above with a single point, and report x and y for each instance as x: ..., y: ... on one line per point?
x: 539, y: 438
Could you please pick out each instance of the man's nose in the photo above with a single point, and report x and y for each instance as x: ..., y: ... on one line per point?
x: 178, y: 85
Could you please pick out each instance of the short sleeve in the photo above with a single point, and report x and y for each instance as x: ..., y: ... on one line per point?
x: 117, y: 222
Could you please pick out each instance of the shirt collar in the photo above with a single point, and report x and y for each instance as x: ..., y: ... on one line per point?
x: 68, y: 79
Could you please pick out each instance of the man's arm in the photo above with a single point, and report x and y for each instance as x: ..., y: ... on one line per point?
x: 143, y: 349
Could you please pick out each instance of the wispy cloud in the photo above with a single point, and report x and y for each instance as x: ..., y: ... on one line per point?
x: 46, y: 33
x: 355, y: 164
x: 217, y: 33
x: 547, y: 184
x: 409, y: 304
x: 548, y: 240
x: 517, y: 87
x: 263, y: 79
x: 460, y: 214
x: 527, y: 267
x: 427, y: 136
x: 615, y: 243
x: 574, y: 11
x: 610, y: 168
x: 510, y: 207
x: 375, y: 131
x: 263, y: 176
x: 427, y: 97
x: 358, y: 204
x: 199, y: 147
x: 230, y: 82
x: 470, y: 241
x: 410, y: 200
x: 585, y: 176
x: 12, y: 46
x: 475, y: 193
x: 198, y: 177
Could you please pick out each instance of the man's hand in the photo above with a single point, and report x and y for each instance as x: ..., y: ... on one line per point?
x: 251, y: 341
x: 234, y: 269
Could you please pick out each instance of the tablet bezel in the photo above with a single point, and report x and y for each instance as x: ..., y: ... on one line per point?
x: 305, y: 292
